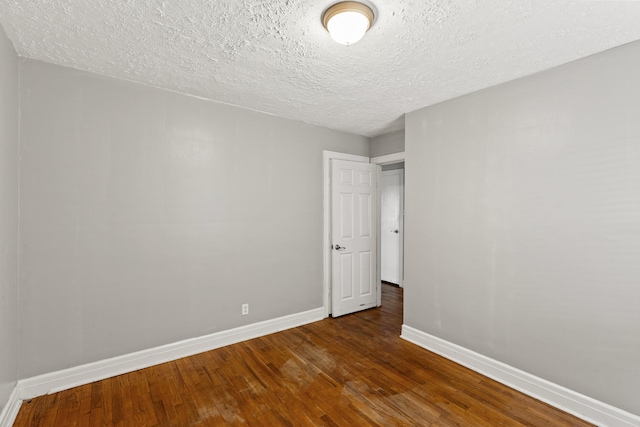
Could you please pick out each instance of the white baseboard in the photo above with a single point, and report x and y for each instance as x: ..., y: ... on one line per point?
x: 10, y: 411
x: 84, y: 374
x: 592, y: 410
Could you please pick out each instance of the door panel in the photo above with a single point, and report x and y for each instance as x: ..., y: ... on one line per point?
x: 366, y: 227
x: 346, y: 279
x: 346, y: 216
x: 353, y: 234
x: 366, y: 280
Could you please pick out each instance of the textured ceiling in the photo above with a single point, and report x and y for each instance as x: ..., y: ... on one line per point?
x: 275, y: 56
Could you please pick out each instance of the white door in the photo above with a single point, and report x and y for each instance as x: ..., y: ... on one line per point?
x: 391, y: 233
x: 353, y: 236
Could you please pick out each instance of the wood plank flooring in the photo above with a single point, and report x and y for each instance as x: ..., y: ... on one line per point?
x: 350, y: 371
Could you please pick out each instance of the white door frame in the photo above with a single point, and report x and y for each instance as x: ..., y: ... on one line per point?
x: 326, y: 238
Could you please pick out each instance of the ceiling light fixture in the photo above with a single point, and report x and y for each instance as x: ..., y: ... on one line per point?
x: 347, y: 21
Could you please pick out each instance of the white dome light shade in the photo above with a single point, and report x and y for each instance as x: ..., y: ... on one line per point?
x: 347, y: 21
x: 348, y: 27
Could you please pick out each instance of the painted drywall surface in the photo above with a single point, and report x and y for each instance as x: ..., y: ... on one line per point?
x: 389, y: 143
x: 9, y: 217
x: 523, y: 224
x: 150, y: 217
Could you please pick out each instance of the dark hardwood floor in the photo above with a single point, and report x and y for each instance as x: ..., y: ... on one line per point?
x: 350, y: 371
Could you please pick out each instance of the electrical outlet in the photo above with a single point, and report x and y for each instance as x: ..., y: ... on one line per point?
x: 245, y: 309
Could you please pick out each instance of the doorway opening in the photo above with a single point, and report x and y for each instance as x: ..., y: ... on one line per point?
x: 390, y: 159
x: 392, y: 224
x: 391, y: 162
x: 327, y: 245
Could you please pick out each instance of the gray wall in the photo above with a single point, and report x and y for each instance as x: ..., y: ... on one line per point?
x: 388, y: 143
x: 9, y: 214
x: 150, y: 217
x: 523, y: 224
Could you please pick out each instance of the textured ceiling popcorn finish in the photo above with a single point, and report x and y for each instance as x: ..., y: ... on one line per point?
x: 275, y: 56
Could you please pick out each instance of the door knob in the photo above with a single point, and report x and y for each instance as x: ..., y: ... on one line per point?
x: 395, y: 231
x: 340, y: 248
